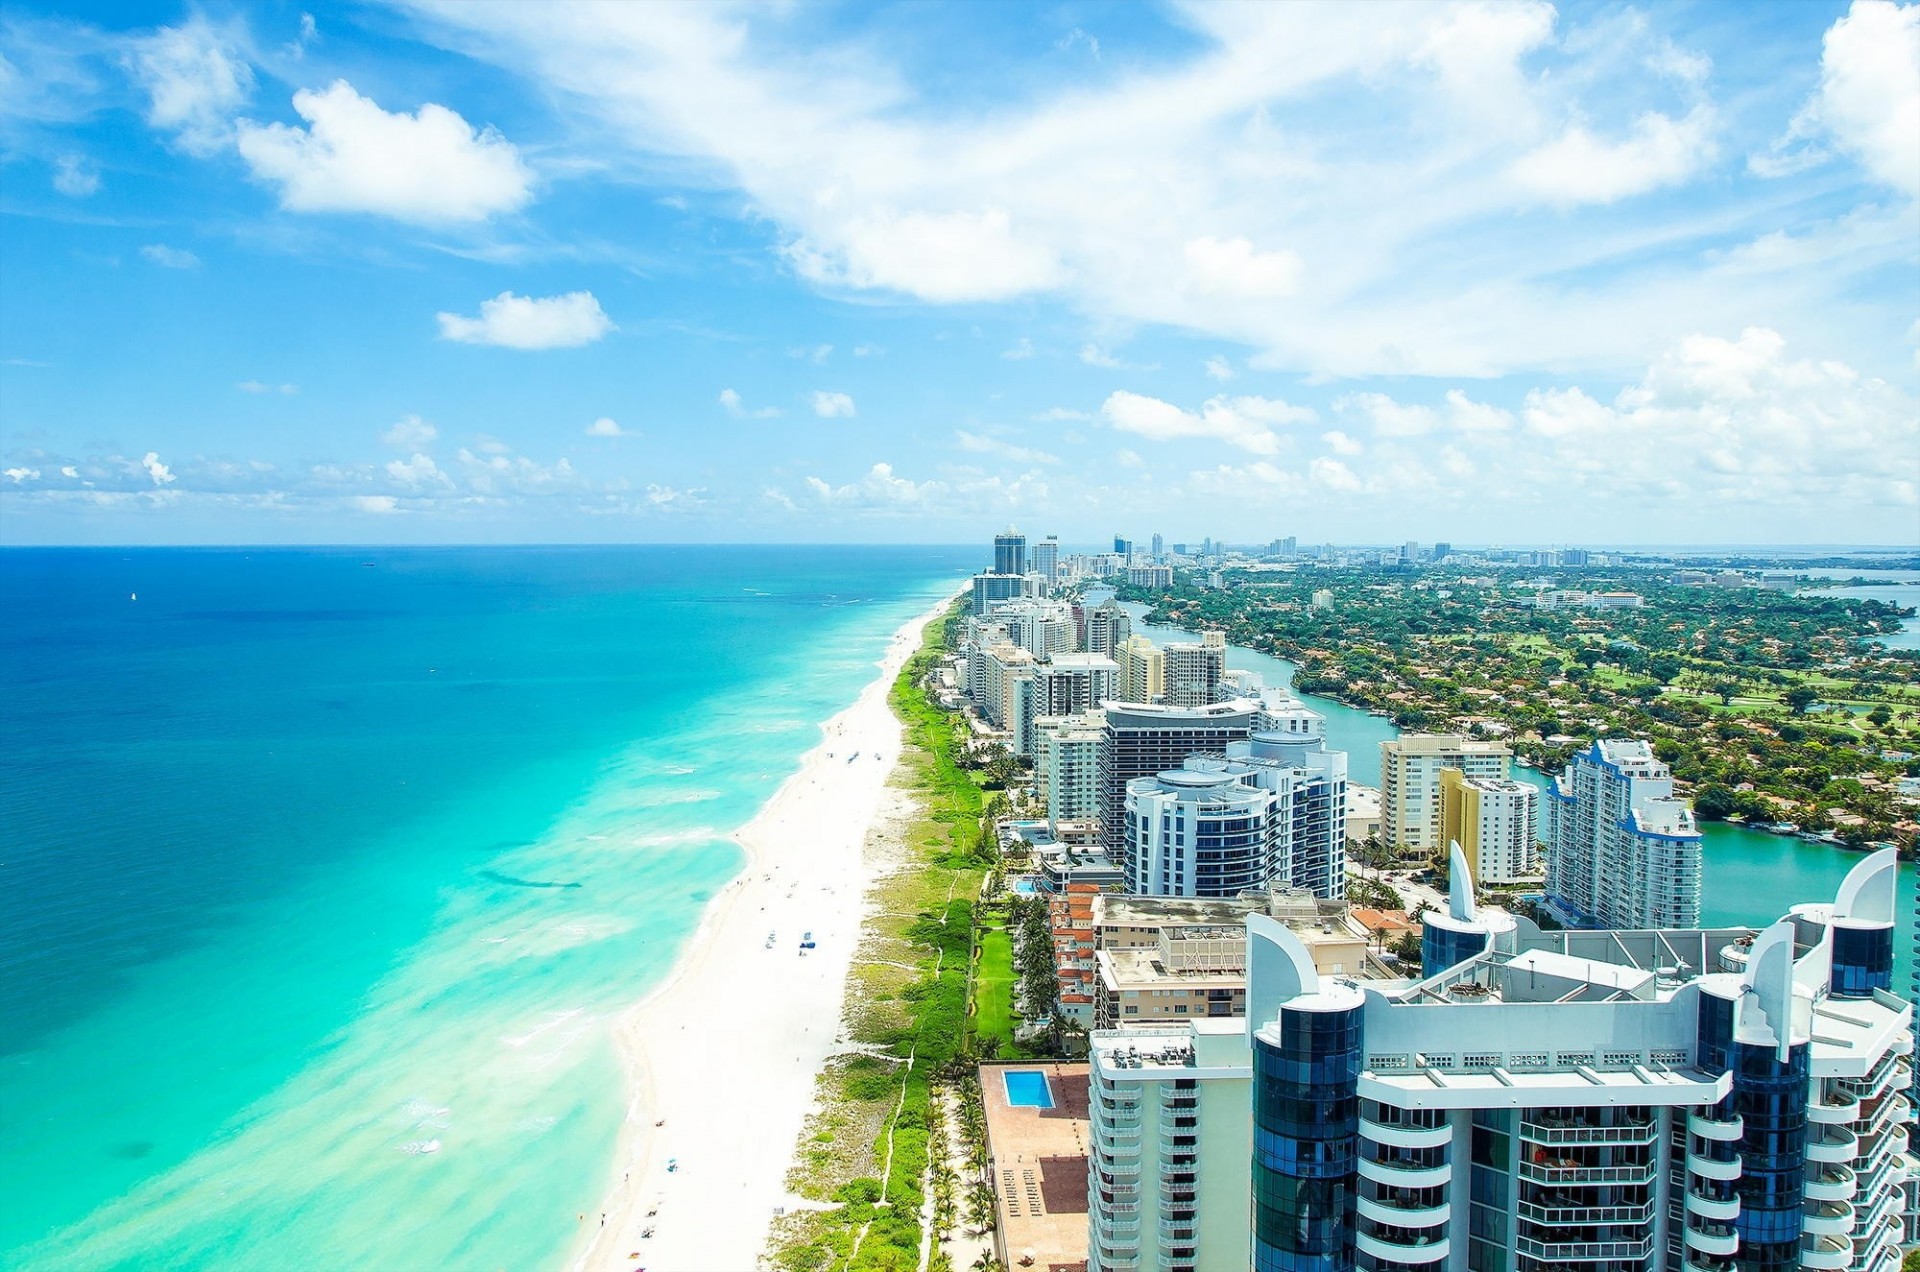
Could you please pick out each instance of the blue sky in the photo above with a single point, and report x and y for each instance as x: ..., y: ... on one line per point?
x: 449, y: 271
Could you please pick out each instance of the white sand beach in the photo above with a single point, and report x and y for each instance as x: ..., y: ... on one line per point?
x: 722, y: 1058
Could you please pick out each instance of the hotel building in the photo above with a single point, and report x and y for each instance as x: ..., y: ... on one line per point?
x: 1143, y: 670
x: 1410, y: 768
x: 1010, y: 552
x: 1624, y: 1101
x: 1625, y: 851
x: 1142, y: 739
x: 1196, y: 670
x: 1066, y: 766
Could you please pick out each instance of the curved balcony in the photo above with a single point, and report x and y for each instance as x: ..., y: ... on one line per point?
x: 1827, y: 1218
x: 1712, y: 1207
x: 1831, y: 1183
x: 1429, y: 1250
x: 1831, y: 1144
x: 1835, y: 1106
x: 1406, y: 1136
x: 1826, y: 1254
x: 1564, y: 1172
x: 1710, y: 1128
x: 1713, y: 1238
x: 1398, y: 1176
x: 1123, y: 1140
x: 1395, y: 1215
x: 1584, y: 1251
x: 1707, y: 1168
x: 1696, y: 1262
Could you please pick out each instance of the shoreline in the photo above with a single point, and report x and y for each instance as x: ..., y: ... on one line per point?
x: 759, y: 1019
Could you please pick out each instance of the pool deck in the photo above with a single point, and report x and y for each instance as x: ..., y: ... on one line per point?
x: 1038, y: 1163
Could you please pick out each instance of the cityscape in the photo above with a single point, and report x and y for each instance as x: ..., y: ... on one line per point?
x: 923, y: 636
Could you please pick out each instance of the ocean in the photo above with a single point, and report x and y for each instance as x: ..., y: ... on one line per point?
x: 315, y: 858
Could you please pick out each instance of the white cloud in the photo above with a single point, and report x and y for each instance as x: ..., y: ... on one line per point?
x: 1476, y: 417
x: 1383, y: 166
x: 735, y: 407
x: 1232, y: 267
x: 20, y: 475
x: 528, y: 322
x: 420, y: 470
x: 1389, y: 418
x: 170, y: 257
x: 430, y: 167
x: 1341, y: 444
x: 1244, y: 422
x: 982, y: 445
x: 954, y: 256
x: 605, y: 427
x: 157, y: 471
x: 196, y: 77
x: 1056, y: 413
x: 374, y: 503
x: 816, y: 354
x: 832, y: 406
x: 74, y: 177
x: 1129, y: 458
x: 1868, y: 102
x: 1094, y: 356
x: 410, y: 432
x: 260, y: 386
x: 1218, y: 368
x: 879, y: 487
x: 1333, y: 474
x: 671, y: 497
x: 868, y: 351
x: 1578, y: 167
x: 1021, y: 350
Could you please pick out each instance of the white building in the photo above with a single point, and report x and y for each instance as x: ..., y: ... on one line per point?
x: 1067, y: 766
x: 1041, y: 627
x: 1495, y: 821
x: 1143, y: 670
x: 1625, y: 851
x: 1410, y: 767
x: 1107, y: 628
x: 1196, y: 671
x: 1154, y: 576
x: 1675, y: 1100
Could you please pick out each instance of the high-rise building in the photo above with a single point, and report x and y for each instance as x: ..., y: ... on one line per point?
x: 1574, y: 556
x: 1624, y: 849
x: 1154, y: 576
x: 1410, y: 783
x: 1288, y: 755
x: 1677, y: 1100
x: 1494, y: 821
x: 1123, y: 548
x: 1196, y: 670
x: 1009, y: 552
x: 1441, y: 551
x: 1043, y: 628
x: 1046, y: 560
x: 1202, y: 832
x: 1140, y: 740
x: 1107, y: 628
x: 1071, y: 684
x: 990, y: 590
x: 1066, y: 766
x: 1142, y: 670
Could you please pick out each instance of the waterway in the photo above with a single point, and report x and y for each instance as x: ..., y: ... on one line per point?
x: 1896, y: 587
x: 1751, y: 877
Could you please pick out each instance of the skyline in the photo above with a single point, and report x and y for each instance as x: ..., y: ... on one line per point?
x: 443, y: 273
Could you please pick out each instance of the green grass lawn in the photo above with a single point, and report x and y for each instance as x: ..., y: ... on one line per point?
x: 993, y: 986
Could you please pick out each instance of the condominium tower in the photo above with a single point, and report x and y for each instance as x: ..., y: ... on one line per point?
x: 1677, y: 1100
x: 1196, y: 670
x: 1494, y: 821
x: 1142, y: 739
x: 1010, y: 552
x: 1625, y: 851
x: 1410, y: 768
x: 1143, y: 670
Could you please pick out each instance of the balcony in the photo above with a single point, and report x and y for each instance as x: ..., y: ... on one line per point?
x: 1696, y: 1262
x: 1568, y: 1131
x: 1406, y: 1136
x: 1831, y: 1183
x: 1827, y: 1218
x: 1397, y: 1213
x: 1826, y: 1254
x: 1581, y: 1216
x: 1707, y: 1168
x: 1831, y: 1144
x: 1834, y: 1107
x: 1401, y: 1174
x: 1428, y: 1249
x: 1709, y: 1128
x: 1712, y: 1207
x: 1583, y: 1251
x: 1713, y: 1238
x: 1563, y: 1172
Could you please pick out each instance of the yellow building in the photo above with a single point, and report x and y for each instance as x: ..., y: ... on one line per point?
x: 1493, y: 821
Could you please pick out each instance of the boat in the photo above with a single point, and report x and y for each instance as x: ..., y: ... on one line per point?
x: 806, y: 941
x: 420, y: 1148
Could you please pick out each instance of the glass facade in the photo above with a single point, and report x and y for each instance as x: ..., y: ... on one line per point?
x: 1441, y: 948
x: 1305, y: 1130
x: 1772, y: 1098
x: 1862, y: 961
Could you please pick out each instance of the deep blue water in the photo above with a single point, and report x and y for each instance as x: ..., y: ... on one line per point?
x: 298, y: 843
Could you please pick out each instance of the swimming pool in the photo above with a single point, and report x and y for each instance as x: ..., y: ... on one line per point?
x: 1025, y: 886
x: 1027, y: 1088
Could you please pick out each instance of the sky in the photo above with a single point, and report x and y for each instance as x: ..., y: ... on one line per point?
x: 453, y: 271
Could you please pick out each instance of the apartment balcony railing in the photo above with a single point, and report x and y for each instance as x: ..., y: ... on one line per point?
x: 1584, y: 1251
x: 1574, y: 1216
x: 1550, y: 1172
x: 1723, y: 1130
x: 1545, y: 1132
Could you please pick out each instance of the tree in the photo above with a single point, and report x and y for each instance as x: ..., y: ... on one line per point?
x: 1725, y: 691
x: 1800, y: 697
x: 1665, y: 668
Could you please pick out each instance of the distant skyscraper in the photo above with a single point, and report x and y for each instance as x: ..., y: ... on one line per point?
x: 1625, y: 849
x: 1108, y: 627
x: 991, y: 589
x: 1123, y: 547
x: 1441, y: 551
x: 1196, y: 671
x: 1010, y: 552
x: 1574, y: 556
x: 1143, y: 670
x: 1159, y: 546
x: 1046, y: 559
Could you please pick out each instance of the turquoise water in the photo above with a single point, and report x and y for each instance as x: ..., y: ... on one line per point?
x: 1751, y: 877
x: 312, y: 864
x: 1028, y: 1089
x: 1896, y: 587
